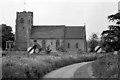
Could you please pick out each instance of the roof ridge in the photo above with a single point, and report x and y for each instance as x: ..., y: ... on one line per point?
x: 47, y: 25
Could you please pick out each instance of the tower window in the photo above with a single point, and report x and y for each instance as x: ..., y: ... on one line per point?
x: 21, y: 20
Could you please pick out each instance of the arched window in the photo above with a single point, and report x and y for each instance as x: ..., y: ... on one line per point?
x: 51, y: 43
x: 68, y: 45
x: 43, y: 44
x: 22, y: 20
x: 57, y: 43
x: 76, y: 45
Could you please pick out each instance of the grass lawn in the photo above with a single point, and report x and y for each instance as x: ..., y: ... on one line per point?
x: 82, y: 72
x: 103, y: 68
x: 36, y: 66
x: 106, y: 66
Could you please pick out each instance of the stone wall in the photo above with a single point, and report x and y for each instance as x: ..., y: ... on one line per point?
x: 71, y: 44
x: 24, y: 21
x: 48, y: 42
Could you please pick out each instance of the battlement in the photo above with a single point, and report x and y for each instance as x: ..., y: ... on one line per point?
x: 25, y: 13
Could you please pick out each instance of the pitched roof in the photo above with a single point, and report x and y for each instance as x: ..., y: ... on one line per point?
x: 75, y: 32
x: 57, y: 31
x: 47, y: 31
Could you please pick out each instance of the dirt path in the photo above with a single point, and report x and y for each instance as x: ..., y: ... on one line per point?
x: 65, y: 72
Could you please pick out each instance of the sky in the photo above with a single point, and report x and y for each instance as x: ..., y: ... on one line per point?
x: 92, y: 13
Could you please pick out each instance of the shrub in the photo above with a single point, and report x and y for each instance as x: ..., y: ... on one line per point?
x: 62, y: 49
x: 80, y: 51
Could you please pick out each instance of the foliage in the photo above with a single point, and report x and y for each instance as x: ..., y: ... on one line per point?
x: 114, y: 17
x: 106, y: 66
x: 111, y: 36
x: 7, y: 35
x: 93, y: 42
x: 62, y: 49
x: 36, y: 66
x: 80, y: 51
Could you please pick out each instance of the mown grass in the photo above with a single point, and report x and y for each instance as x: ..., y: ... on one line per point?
x: 106, y: 67
x: 36, y: 66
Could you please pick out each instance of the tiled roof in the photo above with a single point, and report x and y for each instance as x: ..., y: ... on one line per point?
x: 58, y: 31
x: 48, y: 31
x: 75, y: 32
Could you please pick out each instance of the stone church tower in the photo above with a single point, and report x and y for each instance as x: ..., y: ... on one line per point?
x: 24, y: 22
x: 53, y: 36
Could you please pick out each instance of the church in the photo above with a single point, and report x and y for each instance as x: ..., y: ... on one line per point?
x: 55, y: 36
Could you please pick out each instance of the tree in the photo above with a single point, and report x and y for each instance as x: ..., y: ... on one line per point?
x: 111, y: 37
x: 7, y: 35
x: 93, y: 42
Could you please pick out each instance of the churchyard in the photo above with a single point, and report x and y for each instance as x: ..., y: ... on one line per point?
x: 23, y: 65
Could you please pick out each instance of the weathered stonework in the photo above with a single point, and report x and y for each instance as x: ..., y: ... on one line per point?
x: 24, y: 23
x: 54, y: 36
